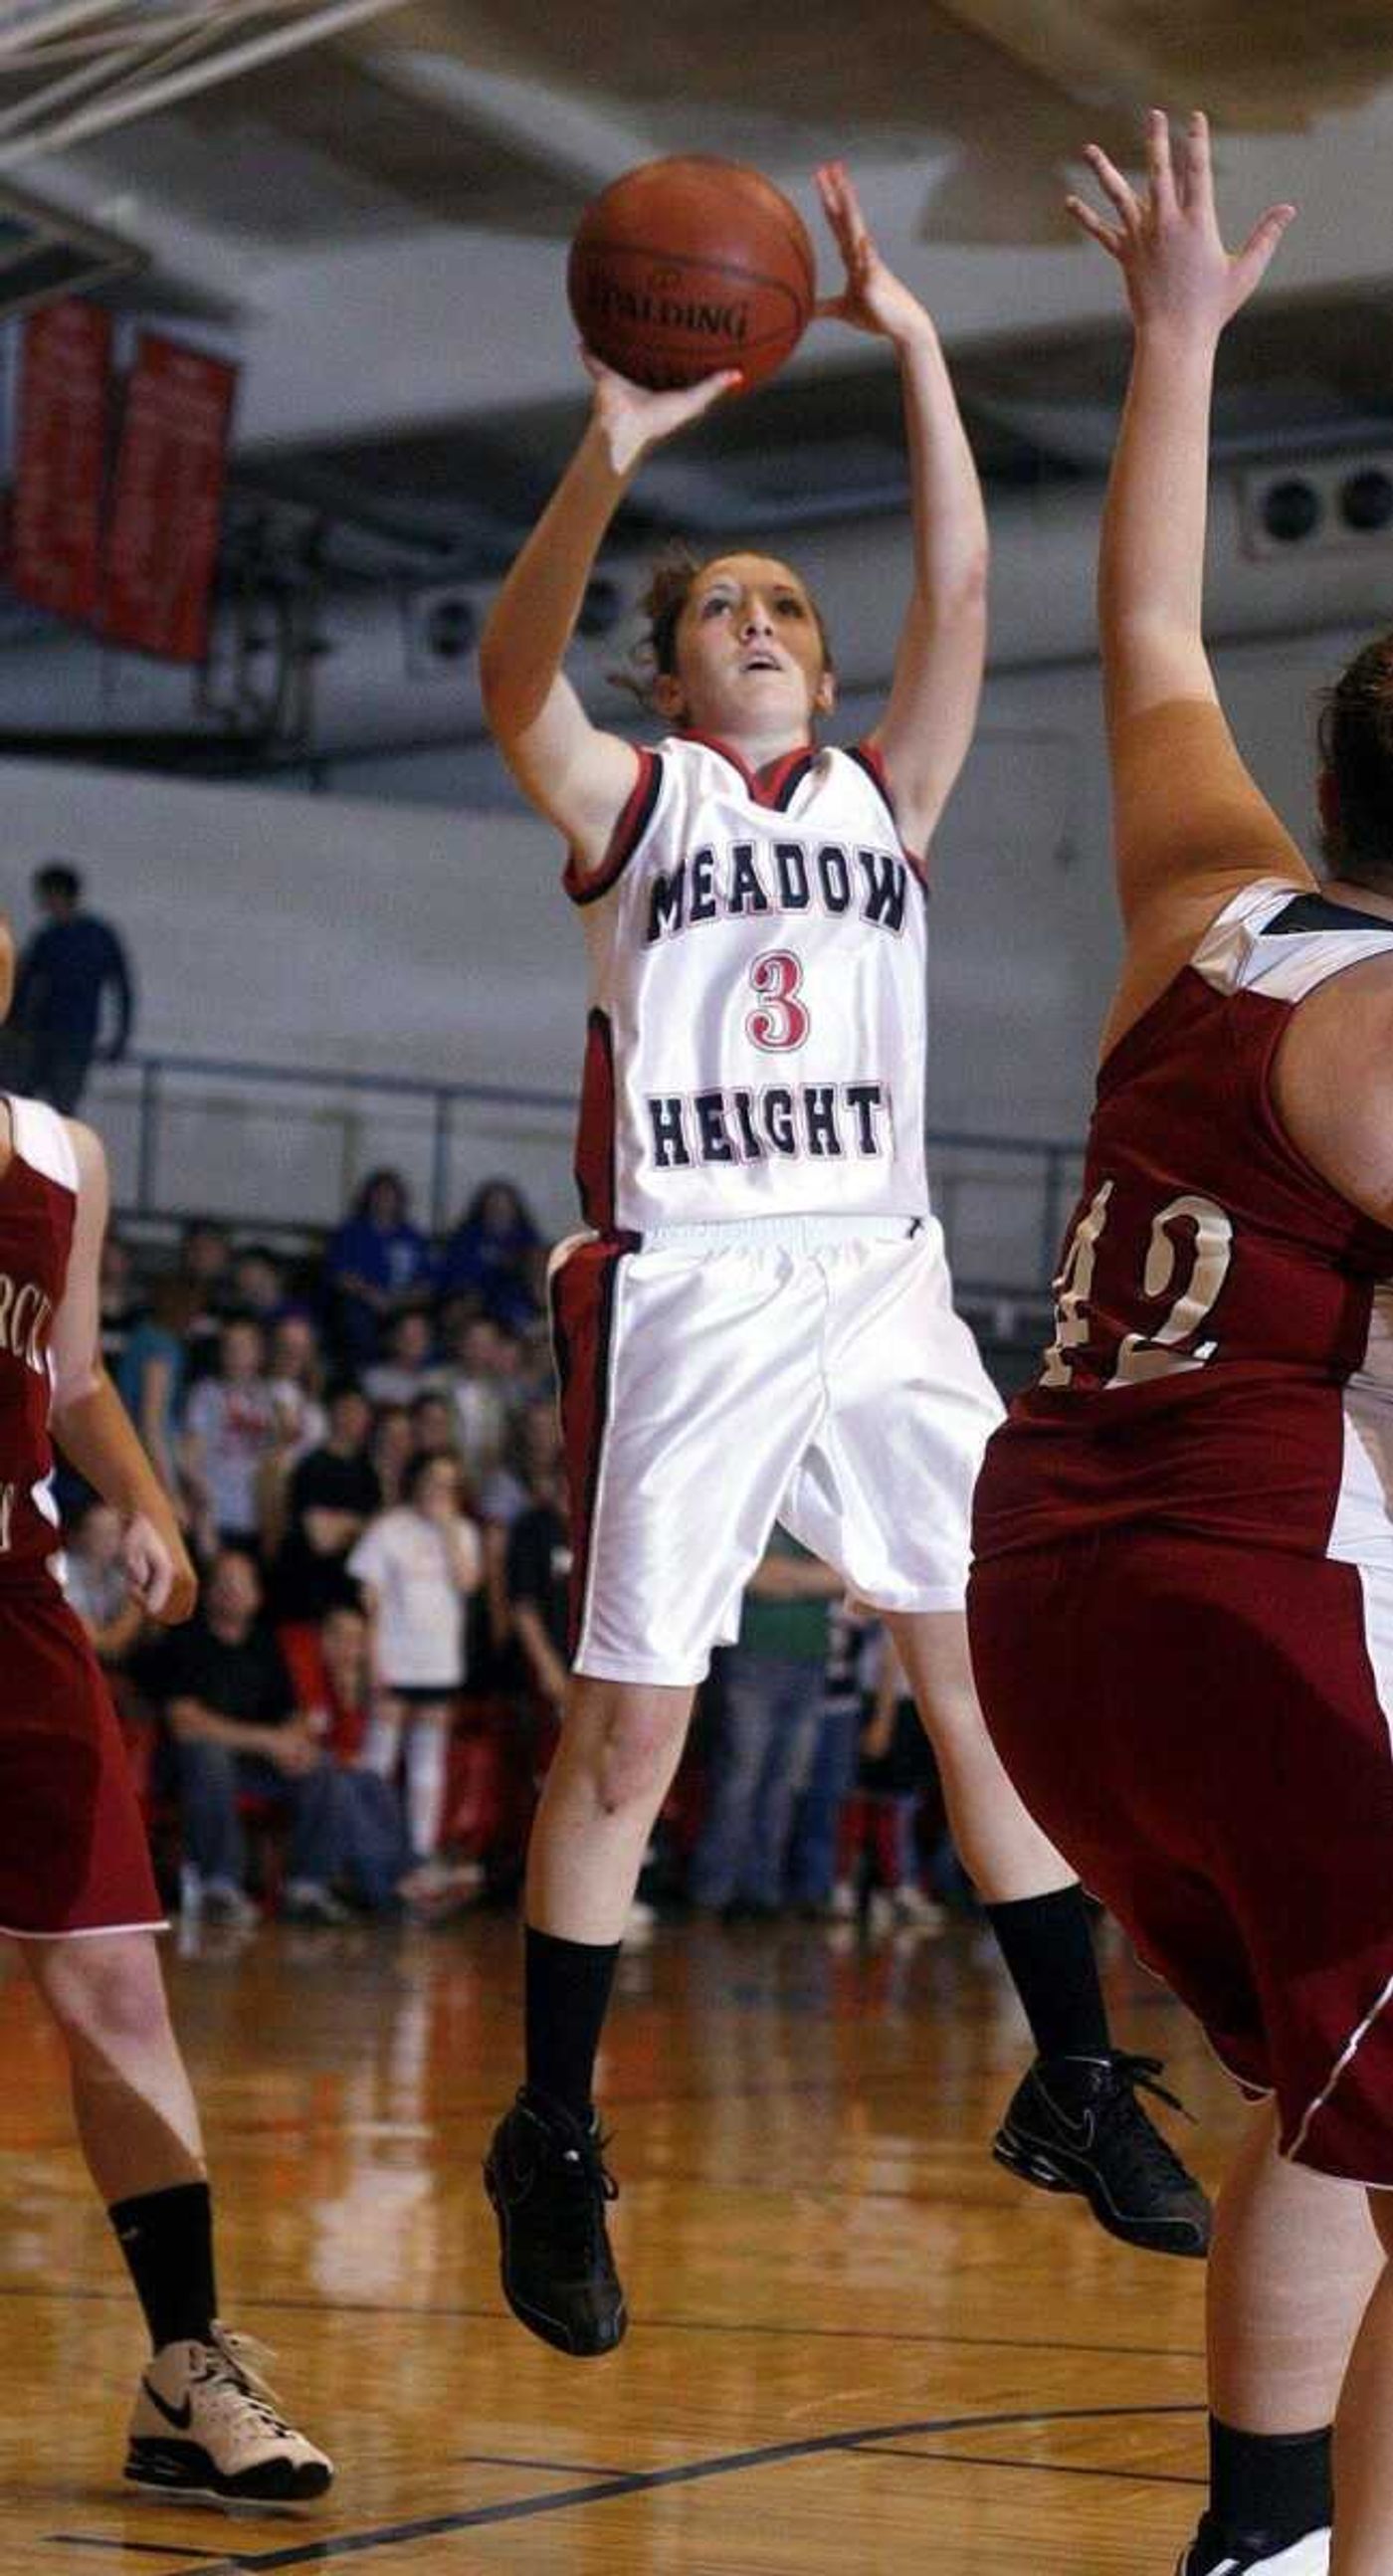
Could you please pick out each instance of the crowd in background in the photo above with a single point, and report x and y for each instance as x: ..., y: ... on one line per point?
x: 364, y: 1450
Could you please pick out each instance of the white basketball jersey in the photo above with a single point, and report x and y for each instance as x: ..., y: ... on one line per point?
x: 757, y: 997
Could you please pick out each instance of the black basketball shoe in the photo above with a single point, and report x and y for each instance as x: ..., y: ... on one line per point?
x: 546, y: 2178
x: 1075, y: 2124
x: 1210, y: 2554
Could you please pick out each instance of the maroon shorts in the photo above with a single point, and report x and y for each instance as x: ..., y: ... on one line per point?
x: 73, y: 1850
x: 1204, y: 1732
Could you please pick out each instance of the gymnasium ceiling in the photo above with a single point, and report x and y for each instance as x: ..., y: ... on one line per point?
x: 374, y: 226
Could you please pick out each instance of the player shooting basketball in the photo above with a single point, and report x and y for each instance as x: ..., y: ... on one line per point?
x: 759, y: 1322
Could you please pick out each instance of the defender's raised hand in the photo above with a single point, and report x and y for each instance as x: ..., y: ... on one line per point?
x: 873, y: 299
x: 1167, y: 242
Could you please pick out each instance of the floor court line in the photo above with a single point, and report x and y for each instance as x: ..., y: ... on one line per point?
x: 315, y: 2553
x: 724, y: 2326
x: 1042, y: 2468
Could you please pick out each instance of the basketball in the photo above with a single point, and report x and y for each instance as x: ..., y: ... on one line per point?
x: 687, y: 265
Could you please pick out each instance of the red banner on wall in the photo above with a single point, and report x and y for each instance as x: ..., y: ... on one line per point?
x: 162, y: 531
x: 55, y: 548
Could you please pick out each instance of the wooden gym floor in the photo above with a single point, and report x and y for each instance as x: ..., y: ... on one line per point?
x: 856, y: 2345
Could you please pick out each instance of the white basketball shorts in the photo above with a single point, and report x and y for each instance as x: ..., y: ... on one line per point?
x: 719, y: 1378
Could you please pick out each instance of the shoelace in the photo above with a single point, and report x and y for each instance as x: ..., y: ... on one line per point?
x: 239, y: 2360
x: 580, y: 2213
x: 1139, y: 2075
x: 1135, y: 2075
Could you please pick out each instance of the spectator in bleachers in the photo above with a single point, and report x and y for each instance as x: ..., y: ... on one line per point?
x: 530, y: 1463
x: 295, y: 1369
x: 527, y: 1474
x: 66, y: 971
x: 332, y: 1495
x: 812, y: 1856
x: 205, y: 1264
x: 478, y: 1376
x: 153, y: 1374
x: 771, y: 1709
x: 391, y: 1443
x: 895, y: 1767
x: 330, y: 1669
x: 417, y: 1565
x: 231, y: 1713
x: 410, y: 1367
x: 229, y: 1431
x: 537, y: 1585
x: 434, y: 1425
x: 97, y: 1586
x: 495, y: 1255
x: 120, y: 1303
x: 256, y: 1283
x: 294, y: 1377
x: 376, y: 1262
x: 536, y: 1362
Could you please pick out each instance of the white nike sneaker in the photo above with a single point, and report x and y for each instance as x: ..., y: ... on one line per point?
x: 206, y: 2427
x: 1309, y: 2556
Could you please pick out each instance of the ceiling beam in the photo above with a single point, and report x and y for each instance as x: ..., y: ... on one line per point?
x: 308, y: 26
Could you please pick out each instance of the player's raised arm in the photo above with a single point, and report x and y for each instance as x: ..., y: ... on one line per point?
x: 1181, y: 854
x: 927, y: 727
x: 89, y: 1420
x: 577, y: 775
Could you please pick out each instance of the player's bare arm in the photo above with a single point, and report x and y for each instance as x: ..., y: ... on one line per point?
x: 924, y: 735
x: 575, y: 773
x: 1177, y: 864
x: 91, y: 1424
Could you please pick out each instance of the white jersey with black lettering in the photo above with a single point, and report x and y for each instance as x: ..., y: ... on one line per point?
x: 757, y: 1022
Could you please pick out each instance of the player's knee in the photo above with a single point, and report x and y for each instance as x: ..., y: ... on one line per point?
x: 109, y: 2006
x: 632, y: 1759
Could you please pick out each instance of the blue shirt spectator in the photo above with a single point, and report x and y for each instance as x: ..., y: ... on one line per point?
x: 377, y: 1262
x: 495, y: 1254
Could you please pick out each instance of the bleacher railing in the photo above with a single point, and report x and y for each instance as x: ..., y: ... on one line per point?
x: 282, y: 1148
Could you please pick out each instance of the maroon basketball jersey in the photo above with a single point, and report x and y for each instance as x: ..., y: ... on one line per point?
x: 38, y: 1203
x: 1222, y: 1360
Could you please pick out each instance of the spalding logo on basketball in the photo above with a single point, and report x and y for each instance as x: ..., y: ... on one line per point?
x: 687, y: 265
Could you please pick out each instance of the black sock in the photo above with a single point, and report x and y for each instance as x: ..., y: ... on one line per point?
x: 568, y: 1986
x: 1047, y: 1944
x: 1269, y: 2487
x: 167, y: 2240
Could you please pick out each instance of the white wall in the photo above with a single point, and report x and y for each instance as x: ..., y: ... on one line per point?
x: 431, y: 940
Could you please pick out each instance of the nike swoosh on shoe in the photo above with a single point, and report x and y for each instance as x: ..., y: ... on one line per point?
x: 180, y: 2417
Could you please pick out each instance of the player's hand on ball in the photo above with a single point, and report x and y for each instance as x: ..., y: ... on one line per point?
x: 161, y: 1577
x: 632, y: 418
x: 873, y: 299
x: 1167, y: 241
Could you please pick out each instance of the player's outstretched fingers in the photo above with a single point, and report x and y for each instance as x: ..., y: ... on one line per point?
x: 1197, y: 164
x: 1118, y: 191
x: 1251, y: 262
x: 842, y: 207
x: 1092, y: 223
x: 1160, y: 169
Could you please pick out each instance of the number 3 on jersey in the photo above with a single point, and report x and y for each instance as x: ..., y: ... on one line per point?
x: 1140, y: 1356
x: 781, y: 1021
